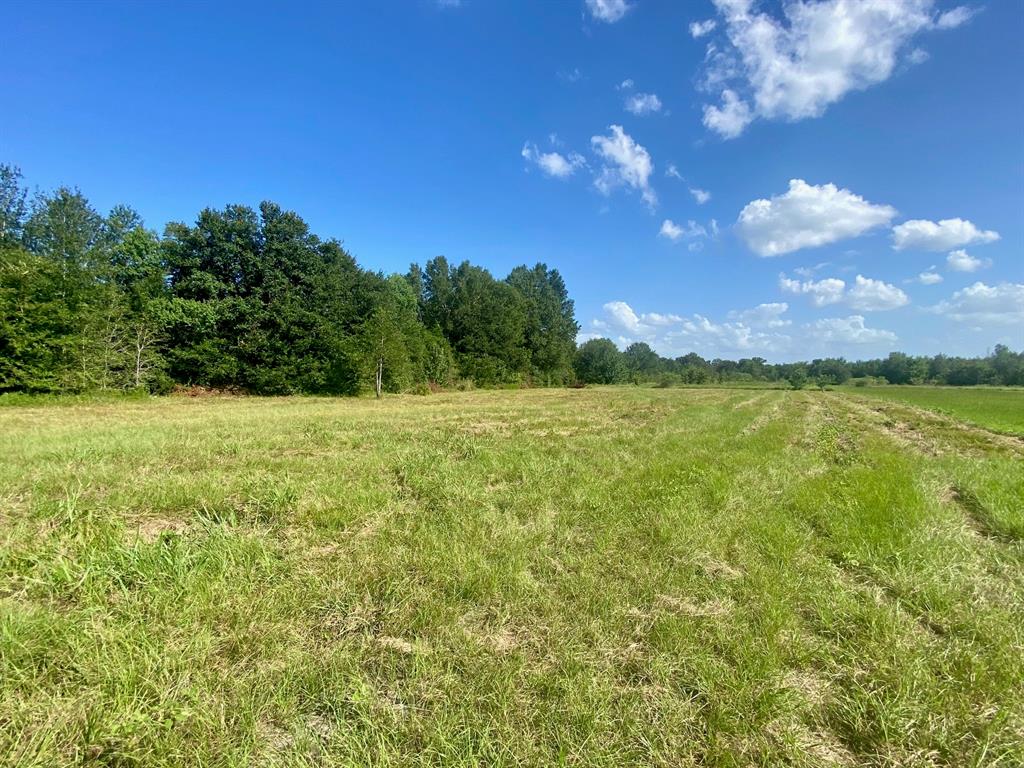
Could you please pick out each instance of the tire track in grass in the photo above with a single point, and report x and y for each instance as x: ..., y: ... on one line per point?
x: 928, y: 431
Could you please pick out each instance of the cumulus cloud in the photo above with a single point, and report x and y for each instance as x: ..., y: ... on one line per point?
x: 795, y: 67
x: 675, y: 232
x: 982, y: 304
x: 822, y: 292
x: 925, y: 235
x: 808, y: 216
x: 961, y: 261
x: 928, y: 277
x: 866, y: 294
x: 673, y: 172
x: 626, y: 164
x: 731, y: 118
x: 763, y: 315
x: 643, y: 104
x: 608, y: 11
x: 553, y: 163
x: 846, y: 330
x: 875, y: 295
x: 701, y: 28
x: 700, y: 195
x: 761, y: 330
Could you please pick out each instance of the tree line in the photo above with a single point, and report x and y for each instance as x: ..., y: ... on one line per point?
x: 599, y: 361
x: 253, y: 301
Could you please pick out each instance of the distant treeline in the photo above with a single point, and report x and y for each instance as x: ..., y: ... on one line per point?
x: 253, y: 301
x: 599, y: 361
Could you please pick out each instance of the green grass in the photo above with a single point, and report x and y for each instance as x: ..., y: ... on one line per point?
x: 998, y: 409
x: 609, y: 576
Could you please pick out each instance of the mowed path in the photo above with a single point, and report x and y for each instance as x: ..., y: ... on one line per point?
x: 617, y: 576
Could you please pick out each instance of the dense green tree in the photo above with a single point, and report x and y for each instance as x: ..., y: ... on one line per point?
x: 599, y: 361
x: 642, y: 362
x: 12, y: 206
x: 550, y: 325
x: 40, y: 329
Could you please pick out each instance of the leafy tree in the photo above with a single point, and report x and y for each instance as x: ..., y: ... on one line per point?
x: 12, y: 206
x: 550, y: 323
x: 642, y: 362
x: 599, y: 361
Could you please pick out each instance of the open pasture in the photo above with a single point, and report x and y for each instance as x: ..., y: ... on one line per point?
x: 998, y: 409
x: 609, y: 576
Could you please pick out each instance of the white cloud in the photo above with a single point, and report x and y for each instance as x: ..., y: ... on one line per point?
x: 942, y: 236
x: 961, y: 261
x: 928, y: 277
x: 874, y: 295
x: 808, y: 216
x: 701, y: 28
x: 653, y: 318
x: 982, y: 304
x: 553, y: 163
x: 955, y: 17
x: 794, y: 68
x: 671, y: 230
x: 808, y: 272
x: 623, y: 316
x: 918, y: 56
x: 643, y: 104
x: 571, y: 76
x: 761, y: 330
x: 608, y: 11
x: 692, y: 231
x: 730, y: 119
x: 673, y: 172
x: 626, y: 164
x: 822, y: 292
x: 700, y: 195
x: 625, y: 85
x: 866, y: 294
x: 763, y: 315
x: 846, y: 330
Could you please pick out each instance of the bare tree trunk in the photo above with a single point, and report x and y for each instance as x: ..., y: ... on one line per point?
x: 380, y: 375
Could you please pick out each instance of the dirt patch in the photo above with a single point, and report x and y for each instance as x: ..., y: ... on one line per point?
x: 397, y: 644
x: 152, y: 529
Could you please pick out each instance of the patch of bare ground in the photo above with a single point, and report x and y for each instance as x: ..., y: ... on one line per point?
x: 397, y: 644
x: 824, y: 748
x: 719, y: 570
x: 500, y: 640
x: 153, y: 529
x: 684, y: 606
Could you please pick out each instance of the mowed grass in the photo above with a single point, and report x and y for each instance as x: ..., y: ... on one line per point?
x: 607, y: 577
x: 998, y: 409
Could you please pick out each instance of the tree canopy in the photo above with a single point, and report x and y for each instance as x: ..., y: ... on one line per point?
x: 252, y: 300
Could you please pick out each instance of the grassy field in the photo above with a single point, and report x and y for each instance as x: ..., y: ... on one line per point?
x: 998, y: 409
x: 608, y: 577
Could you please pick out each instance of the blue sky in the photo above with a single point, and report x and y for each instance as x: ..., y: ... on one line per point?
x: 860, y: 165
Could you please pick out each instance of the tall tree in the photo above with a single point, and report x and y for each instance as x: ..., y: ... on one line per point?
x: 550, y: 326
